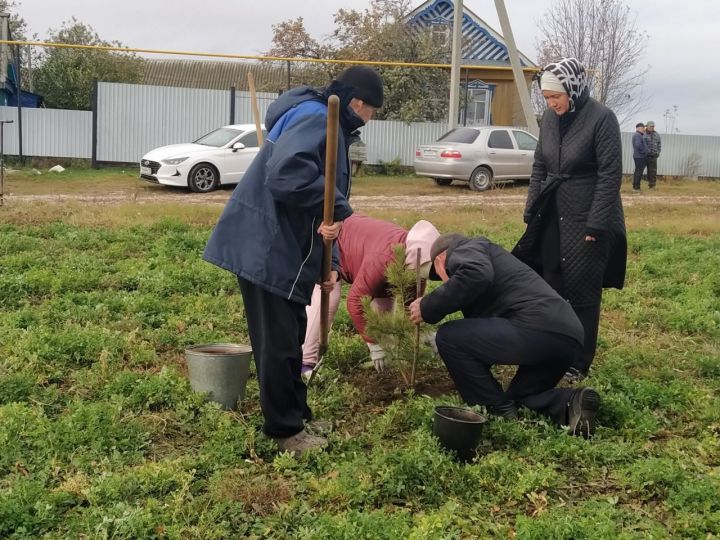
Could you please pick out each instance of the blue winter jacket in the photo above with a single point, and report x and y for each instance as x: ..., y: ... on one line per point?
x: 640, y: 149
x: 267, y: 231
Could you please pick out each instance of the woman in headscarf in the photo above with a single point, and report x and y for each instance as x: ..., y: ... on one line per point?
x: 575, y: 236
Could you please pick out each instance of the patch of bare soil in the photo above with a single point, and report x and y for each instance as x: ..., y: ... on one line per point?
x: 384, y: 388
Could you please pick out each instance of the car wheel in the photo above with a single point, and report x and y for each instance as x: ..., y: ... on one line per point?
x: 203, y: 178
x: 443, y: 181
x: 481, y: 179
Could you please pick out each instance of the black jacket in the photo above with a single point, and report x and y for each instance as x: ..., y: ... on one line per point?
x: 578, y: 168
x: 487, y: 281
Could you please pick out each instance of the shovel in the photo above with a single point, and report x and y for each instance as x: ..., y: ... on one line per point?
x: 331, y: 146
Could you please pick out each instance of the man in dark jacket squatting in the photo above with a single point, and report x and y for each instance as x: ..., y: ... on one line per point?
x: 270, y: 235
x: 512, y: 317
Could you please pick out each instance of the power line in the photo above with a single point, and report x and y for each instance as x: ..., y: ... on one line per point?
x: 250, y: 57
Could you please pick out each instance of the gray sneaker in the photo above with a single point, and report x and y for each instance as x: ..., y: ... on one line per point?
x: 300, y: 443
x: 322, y: 428
x: 582, y: 412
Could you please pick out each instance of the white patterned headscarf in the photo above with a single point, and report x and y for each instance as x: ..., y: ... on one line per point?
x: 571, y: 74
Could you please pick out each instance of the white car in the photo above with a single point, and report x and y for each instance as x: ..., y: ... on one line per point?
x: 220, y: 157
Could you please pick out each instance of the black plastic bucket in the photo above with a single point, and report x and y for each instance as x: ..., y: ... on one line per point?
x: 459, y: 429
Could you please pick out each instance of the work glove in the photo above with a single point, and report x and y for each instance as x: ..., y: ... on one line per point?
x: 428, y: 339
x: 377, y: 355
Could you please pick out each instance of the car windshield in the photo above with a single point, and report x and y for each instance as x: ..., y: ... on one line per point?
x: 460, y: 135
x: 219, y: 137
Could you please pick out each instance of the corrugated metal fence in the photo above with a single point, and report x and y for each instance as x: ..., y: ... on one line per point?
x: 134, y: 119
x: 49, y: 132
x: 387, y: 140
x: 682, y: 155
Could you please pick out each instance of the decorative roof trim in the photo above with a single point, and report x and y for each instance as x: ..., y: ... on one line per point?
x: 483, y: 42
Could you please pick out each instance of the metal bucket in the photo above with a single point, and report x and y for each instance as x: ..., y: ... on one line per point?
x: 220, y: 370
x: 459, y: 429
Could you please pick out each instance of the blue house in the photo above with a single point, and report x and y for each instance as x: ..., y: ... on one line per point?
x: 487, y: 80
x: 9, y: 93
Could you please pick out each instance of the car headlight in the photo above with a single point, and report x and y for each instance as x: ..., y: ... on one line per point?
x: 174, y: 161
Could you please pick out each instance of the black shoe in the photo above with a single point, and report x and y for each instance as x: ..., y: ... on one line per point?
x: 582, y: 412
x: 508, y: 411
x: 574, y: 376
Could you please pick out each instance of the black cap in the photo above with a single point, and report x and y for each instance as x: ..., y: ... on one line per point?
x: 366, y: 82
x: 639, y: 124
x: 442, y: 243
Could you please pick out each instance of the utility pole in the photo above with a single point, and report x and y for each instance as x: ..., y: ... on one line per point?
x: 520, y: 83
x: 18, y: 86
x: 455, y: 64
x: 4, y: 50
x: 2, y: 160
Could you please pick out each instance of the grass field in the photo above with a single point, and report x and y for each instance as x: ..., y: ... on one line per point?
x: 101, y: 436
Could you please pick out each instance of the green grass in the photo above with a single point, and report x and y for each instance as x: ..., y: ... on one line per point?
x: 102, y: 437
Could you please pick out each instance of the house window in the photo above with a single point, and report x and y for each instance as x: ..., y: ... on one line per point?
x: 478, y: 107
x: 441, y: 35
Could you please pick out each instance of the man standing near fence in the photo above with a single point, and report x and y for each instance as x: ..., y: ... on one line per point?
x: 639, y: 155
x: 654, y: 145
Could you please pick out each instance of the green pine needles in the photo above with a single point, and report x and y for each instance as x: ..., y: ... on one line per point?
x: 393, y: 330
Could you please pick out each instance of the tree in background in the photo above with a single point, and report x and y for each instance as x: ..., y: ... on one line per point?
x: 604, y: 36
x: 18, y: 26
x: 65, y: 76
x: 377, y: 33
x: 292, y: 40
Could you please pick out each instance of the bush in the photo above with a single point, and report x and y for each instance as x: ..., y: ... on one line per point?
x: 390, y: 168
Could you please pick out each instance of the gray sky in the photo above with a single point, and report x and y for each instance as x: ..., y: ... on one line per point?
x: 683, y: 38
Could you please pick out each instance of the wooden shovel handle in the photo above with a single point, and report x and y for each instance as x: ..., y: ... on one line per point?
x: 331, y: 148
x: 255, y: 108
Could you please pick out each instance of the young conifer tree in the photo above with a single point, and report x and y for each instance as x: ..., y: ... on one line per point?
x: 393, y: 330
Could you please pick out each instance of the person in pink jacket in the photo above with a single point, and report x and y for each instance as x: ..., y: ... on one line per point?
x: 365, y: 247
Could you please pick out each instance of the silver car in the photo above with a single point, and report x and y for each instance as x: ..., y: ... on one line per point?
x: 477, y: 155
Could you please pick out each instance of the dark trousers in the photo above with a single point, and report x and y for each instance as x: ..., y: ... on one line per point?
x: 640, y: 164
x: 652, y: 170
x: 469, y: 347
x: 590, y: 319
x: 277, y: 331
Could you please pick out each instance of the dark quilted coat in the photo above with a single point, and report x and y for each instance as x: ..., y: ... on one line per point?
x: 576, y: 179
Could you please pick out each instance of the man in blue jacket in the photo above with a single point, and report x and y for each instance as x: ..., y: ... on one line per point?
x: 512, y: 317
x: 640, y: 155
x: 270, y: 235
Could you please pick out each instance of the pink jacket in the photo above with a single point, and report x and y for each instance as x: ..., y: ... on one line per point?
x: 366, y: 248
